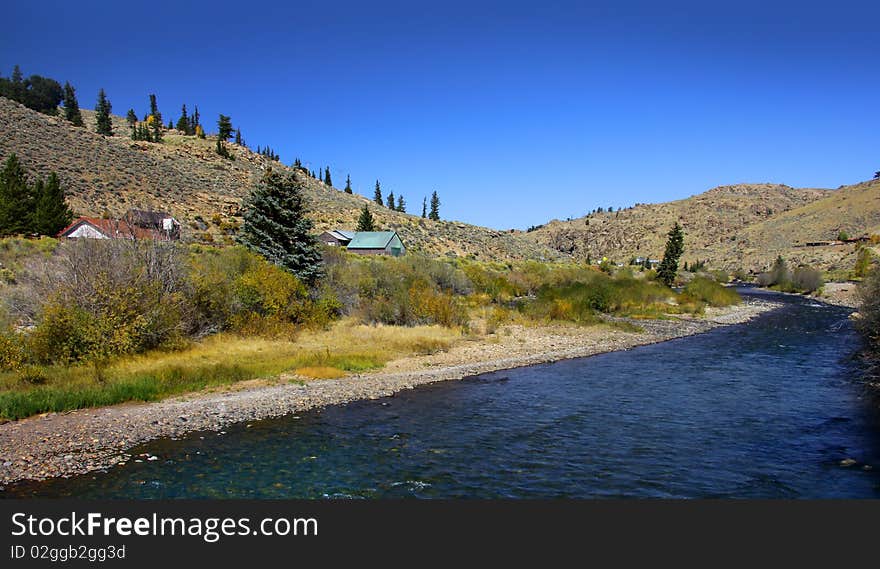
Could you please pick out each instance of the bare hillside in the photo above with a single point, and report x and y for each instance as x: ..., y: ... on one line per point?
x: 713, y: 223
x: 184, y: 176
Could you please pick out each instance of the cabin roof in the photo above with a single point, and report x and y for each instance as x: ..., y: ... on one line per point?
x: 112, y: 228
x: 371, y: 239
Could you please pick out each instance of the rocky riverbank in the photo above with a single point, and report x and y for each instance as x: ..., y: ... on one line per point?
x: 67, y: 444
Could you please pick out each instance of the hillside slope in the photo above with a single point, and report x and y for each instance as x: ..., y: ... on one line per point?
x: 713, y: 222
x: 854, y: 210
x: 184, y: 176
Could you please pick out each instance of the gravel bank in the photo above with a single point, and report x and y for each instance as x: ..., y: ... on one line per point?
x: 66, y: 444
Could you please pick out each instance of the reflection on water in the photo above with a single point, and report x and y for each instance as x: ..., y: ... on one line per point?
x: 768, y: 409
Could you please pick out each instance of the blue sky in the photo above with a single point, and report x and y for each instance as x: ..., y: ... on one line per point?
x: 515, y: 113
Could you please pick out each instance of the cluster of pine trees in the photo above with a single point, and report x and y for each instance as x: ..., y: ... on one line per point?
x: 31, y: 208
x: 270, y: 154
x: 39, y: 93
x: 189, y: 124
x: 400, y: 203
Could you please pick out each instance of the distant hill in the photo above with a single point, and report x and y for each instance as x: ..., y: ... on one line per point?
x: 741, y: 226
x: 184, y: 176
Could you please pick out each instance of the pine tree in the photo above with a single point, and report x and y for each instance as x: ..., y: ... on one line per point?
x: 170, y: 125
x: 238, y: 140
x: 348, y: 189
x: 276, y: 226
x: 435, y: 207
x: 131, y: 118
x: 103, y: 123
x: 327, y: 179
x: 51, y: 212
x: 424, y: 207
x: 222, y: 150
x: 71, y: 106
x: 390, y: 203
x: 224, y: 128
x: 154, y: 109
x: 401, y: 204
x: 16, y: 199
x: 195, y: 124
x: 377, y: 195
x: 365, y: 221
x: 183, y: 124
x: 674, y: 248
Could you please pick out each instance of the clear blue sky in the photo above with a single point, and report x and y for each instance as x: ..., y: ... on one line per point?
x: 514, y: 113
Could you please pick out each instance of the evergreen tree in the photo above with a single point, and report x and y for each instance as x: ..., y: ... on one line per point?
x: 170, y: 125
x: 377, y: 195
x: 103, y: 123
x: 276, y: 226
x: 327, y: 179
x: 51, y: 212
x: 71, y: 106
x: 238, y: 139
x: 348, y: 189
x: 183, y: 124
x: 222, y: 150
x: 224, y: 128
x: 131, y: 118
x: 435, y: 207
x: 390, y: 203
x: 194, y: 123
x: 401, y: 204
x: 424, y: 207
x: 365, y: 221
x: 154, y: 109
x: 16, y: 199
x: 674, y: 248
x: 39, y: 93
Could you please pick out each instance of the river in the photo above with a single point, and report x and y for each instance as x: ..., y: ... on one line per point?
x: 775, y: 408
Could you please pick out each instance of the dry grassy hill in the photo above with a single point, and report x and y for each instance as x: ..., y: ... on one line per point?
x: 854, y: 210
x: 713, y: 222
x: 184, y: 176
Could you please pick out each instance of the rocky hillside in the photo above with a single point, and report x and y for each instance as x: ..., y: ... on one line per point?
x: 716, y: 217
x: 853, y: 210
x: 184, y: 176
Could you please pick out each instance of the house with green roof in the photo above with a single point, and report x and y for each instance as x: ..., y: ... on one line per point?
x: 376, y: 243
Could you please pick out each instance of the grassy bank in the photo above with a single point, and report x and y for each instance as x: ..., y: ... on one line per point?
x: 89, y: 323
x: 219, y: 360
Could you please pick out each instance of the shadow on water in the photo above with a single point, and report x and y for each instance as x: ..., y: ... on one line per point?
x: 772, y: 409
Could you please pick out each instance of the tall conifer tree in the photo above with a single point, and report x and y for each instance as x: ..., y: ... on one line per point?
x: 71, y: 106
x: 51, y: 212
x: 377, y: 195
x: 348, y: 189
x: 276, y: 226
x: 16, y: 199
x: 435, y: 207
x: 365, y: 221
x: 103, y: 122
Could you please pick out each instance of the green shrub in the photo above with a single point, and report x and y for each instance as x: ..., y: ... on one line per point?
x: 707, y: 290
x: 868, y: 322
x: 806, y: 279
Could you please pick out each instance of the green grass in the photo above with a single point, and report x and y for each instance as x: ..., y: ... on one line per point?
x: 708, y: 291
x: 217, y: 361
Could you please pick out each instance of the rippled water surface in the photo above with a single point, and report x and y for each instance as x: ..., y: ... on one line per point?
x: 766, y: 409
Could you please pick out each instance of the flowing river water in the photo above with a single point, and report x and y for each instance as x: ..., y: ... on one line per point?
x: 775, y: 408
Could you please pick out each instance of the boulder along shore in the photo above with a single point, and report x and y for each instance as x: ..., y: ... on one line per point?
x: 77, y: 442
